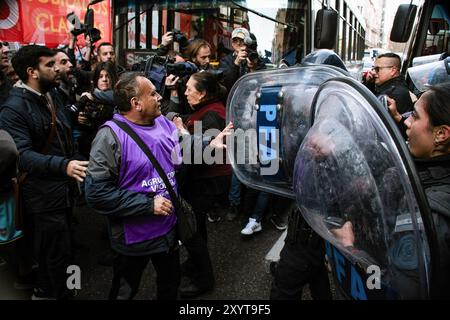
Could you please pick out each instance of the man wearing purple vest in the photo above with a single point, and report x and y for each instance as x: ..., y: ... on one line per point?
x: 123, y: 185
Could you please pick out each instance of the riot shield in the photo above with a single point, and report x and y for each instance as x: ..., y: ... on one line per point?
x: 430, y: 74
x: 356, y: 186
x: 270, y: 111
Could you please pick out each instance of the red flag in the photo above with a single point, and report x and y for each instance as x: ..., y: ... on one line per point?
x: 33, y: 21
x: 10, y: 27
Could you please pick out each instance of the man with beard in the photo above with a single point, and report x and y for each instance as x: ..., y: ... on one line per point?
x: 66, y: 79
x: 35, y: 117
x: 105, y: 52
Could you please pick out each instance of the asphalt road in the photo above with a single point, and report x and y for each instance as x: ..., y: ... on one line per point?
x: 239, y: 264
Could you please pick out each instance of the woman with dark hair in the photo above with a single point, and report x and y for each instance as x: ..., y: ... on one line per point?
x: 203, y: 95
x: 105, y: 76
x: 428, y: 131
x: 96, y: 106
x: 206, y: 183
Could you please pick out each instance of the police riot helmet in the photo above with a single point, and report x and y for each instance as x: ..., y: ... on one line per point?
x: 324, y: 56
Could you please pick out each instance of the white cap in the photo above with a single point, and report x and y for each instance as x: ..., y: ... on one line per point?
x: 241, y: 33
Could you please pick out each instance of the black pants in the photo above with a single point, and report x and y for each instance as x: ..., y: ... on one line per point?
x: 301, y: 263
x: 198, y: 266
x: 127, y: 273
x: 52, y: 250
x: 202, y: 194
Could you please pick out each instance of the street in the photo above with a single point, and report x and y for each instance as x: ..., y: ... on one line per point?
x: 240, y: 270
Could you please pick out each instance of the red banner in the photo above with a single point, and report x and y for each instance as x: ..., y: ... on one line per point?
x: 10, y: 27
x: 45, y: 22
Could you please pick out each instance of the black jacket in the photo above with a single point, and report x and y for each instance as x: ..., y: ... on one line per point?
x: 8, y: 161
x: 5, y: 87
x: 435, y: 177
x: 27, y: 119
x: 397, y: 89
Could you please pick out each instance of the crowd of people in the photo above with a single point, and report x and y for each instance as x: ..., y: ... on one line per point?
x: 63, y: 139
x: 60, y: 113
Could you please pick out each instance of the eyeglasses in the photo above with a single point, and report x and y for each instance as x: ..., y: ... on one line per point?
x: 377, y: 69
x: 4, y: 43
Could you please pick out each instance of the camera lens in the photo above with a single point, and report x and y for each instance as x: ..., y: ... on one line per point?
x: 253, y: 55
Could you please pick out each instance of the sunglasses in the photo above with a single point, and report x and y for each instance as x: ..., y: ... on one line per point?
x: 377, y: 69
x: 4, y: 43
x: 238, y: 40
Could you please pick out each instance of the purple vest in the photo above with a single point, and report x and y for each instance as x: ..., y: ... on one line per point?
x: 138, y: 174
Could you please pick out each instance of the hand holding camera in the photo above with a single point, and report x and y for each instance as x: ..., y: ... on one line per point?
x: 86, y: 28
x: 86, y: 110
x: 241, y: 57
x: 171, y: 82
x: 167, y: 39
x: 180, y: 38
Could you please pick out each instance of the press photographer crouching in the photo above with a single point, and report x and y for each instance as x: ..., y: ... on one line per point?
x: 95, y: 108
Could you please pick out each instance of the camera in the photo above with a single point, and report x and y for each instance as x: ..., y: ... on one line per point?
x: 179, y: 37
x: 87, y: 27
x: 251, y: 49
x: 79, y: 106
x: 91, y: 110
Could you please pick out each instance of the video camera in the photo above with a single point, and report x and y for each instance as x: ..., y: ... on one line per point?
x: 251, y: 48
x: 181, y: 69
x: 157, y: 67
x: 88, y: 26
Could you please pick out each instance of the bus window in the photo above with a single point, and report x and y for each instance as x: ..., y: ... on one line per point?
x: 438, y: 32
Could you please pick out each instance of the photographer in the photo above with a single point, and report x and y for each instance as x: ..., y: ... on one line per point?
x: 243, y: 60
x: 97, y: 107
x: 164, y: 48
x: 169, y: 38
x: 81, y: 70
x: 198, y: 54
